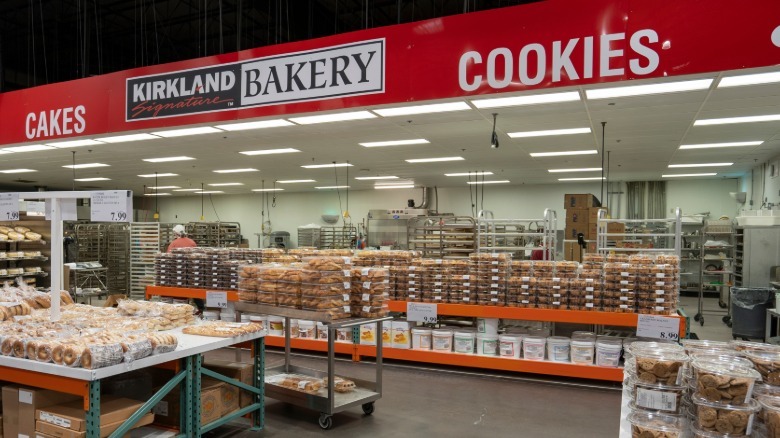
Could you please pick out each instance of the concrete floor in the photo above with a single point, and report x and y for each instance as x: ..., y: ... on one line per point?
x: 418, y: 402
x: 714, y: 329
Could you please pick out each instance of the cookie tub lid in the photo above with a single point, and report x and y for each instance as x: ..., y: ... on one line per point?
x: 726, y: 369
x: 752, y: 405
x: 659, y: 422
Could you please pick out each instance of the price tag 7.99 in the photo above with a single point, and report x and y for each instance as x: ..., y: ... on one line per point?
x: 422, y: 312
x: 111, y: 206
x: 9, y: 206
x: 216, y: 299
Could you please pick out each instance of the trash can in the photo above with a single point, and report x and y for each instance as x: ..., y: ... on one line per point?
x: 748, y: 311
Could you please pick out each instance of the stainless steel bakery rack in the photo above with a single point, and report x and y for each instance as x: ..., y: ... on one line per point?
x: 337, y: 237
x: 443, y: 237
x: 514, y: 235
x: 327, y: 401
x: 665, y: 235
x: 215, y: 234
x: 92, y: 242
x: 118, y: 258
x: 144, y: 244
x: 716, y: 271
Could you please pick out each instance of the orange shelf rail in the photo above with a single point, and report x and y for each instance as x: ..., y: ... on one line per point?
x: 498, y: 363
x: 310, y: 344
x: 184, y: 292
x: 568, y: 316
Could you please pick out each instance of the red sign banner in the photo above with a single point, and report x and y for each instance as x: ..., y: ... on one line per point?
x: 555, y: 43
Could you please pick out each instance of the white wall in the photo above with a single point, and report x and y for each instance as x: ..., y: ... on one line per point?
x: 525, y: 201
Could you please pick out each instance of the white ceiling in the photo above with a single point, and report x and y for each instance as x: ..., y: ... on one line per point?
x: 642, y: 134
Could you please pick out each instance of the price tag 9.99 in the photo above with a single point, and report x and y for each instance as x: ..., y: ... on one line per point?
x: 9, y: 206
x: 216, y: 299
x: 422, y: 312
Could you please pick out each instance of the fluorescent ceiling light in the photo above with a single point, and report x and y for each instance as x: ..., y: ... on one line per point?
x: 397, y: 186
x: 423, y: 109
x: 563, y: 153
x: 377, y: 144
x: 643, y: 90
x: 187, y: 190
x: 671, y: 166
x: 733, y: 120
x: 321, y: 166
x: 156, y: 194
x: 255, y: 125
x: 368, y: 178
x: 167, y: 159
x: 594, y: 178
x: 500, y: 102
x: 755, y: 79
x: 293, y: 181
x: 3, y: 151
x: 226, y: 184
x: 158, y: 175
x: 128, y: 137
x: 267, y: 190
x: 499, y: 181
x: 166, y: 187
x: 28, y: 148
x: 248, y: 169
x: 17, y: 171
x: 85, y: 165
x: 468, y: 174
x: 583, y: 169
x: 336, y: 117
x: 92, y: 179
x: 210, y: 192
x: 74, y: 143
x: 332, y: 187
x: 549, y: 132
x: 688, y: 174
x: 721, y: 145
x: 270, y: 151
x: 187, y: 131
x: 434, y: 160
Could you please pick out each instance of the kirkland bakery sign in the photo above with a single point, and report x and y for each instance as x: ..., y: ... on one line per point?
x: 337, y: 71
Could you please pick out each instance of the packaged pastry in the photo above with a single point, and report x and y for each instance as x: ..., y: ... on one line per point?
x: 767, y: 363
x: 651, y: 425
x: 658, y: 397
x: 726, y: 419
x: 723, y: 383
x: 770, y: 414
x: 660, y: 365
x: 327, y: 263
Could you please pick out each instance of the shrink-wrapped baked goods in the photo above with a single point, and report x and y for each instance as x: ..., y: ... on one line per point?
x: 101, y: 355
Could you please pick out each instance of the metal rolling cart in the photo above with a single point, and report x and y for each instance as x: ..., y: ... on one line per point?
x: 326, y: 401
x: 513, y: 235
x: 443, y: 237
x: 717, y: 267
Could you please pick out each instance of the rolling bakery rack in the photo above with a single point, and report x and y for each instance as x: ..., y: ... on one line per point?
x: 327, y: 401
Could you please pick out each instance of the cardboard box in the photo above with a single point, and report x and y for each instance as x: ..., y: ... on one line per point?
x: 71, y: 415
x: 577, y: 216
x: 580, y: 201
x: 401, y: 334
x: 167, y: 411
x: 571, y: 232
x: 46, y: 430
x: 614, y: 227
x: 20, y: 404
x: 572, y: 252
x: 235, y: 370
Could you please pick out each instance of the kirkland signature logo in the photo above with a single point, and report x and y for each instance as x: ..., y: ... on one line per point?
x: 338, y: 71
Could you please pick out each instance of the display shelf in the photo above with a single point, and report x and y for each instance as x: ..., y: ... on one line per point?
x: 19, y: 259
x: 26, y: 274
x: 320, y: 345
x: 186, y: 292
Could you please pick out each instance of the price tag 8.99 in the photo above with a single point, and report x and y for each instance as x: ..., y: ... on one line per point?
x: 659, y: 327
x: 216, y: 299
x: 9, y: 206
x: 422, y: 312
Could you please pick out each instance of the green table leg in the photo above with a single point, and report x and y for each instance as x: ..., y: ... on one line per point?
x: 195, y: 396
x: 258, y: 377
x: 186, y: 420
x: 93, y: 414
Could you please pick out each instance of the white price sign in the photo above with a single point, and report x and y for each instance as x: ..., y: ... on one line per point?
x: 111, y: 206
x: 36, y: 208
x: 422, y: 312
x: 659, y: 327
x: 68, y: 210
x: 9, y: 206
x: 216, y: 299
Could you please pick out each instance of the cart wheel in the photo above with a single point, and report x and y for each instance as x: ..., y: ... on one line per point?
x: 701, y: 322
x: 729, y: 324
x: 727, y: 319
x: 697, y: 317
x: 368, y: 408
x: 722, y: 304
x: 326, y: 421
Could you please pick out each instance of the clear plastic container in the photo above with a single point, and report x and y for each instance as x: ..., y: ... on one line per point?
x: 726, y: 419
x: 667, y: 399
x: 660, y: 366
x: 749, y: 345
x: 770, y: 414
x: 608, y: 352
x: 767, y: 363
x: 582, y: 350
x: 631, y: 347
x: 723, y: 383
x: 533, y: 347
x: 646, y: 424
x: 558, y: 349
x: 694, y: 345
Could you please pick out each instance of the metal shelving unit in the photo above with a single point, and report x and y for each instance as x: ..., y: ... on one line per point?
x: 215, y: 234
x: 443, y: 237
x: 118, y: 258
x: 92, y: 240
x: 513, y: 235
x: 720, y: 261
x: 326, y: 401
x: 309, y: 236
x: 337, y: 237
x: 664, y: 234
x: 144, y: 244
x: 690, y: 255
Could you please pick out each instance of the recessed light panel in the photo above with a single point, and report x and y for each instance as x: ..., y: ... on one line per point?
x: 210, y: 192
x: 688, y: 174
x: 158, y: 175
x: 226, y: 184
x: 92, y: 179
x: 434, y: 160
x: 187, y: 190
x: 468, y: 174
x: 255, y: 125
x: 236, y: 170
x: 267, y: 190
x: 377, y: 144
x: 322, y: 166
x: 423, y: 109
x: 166, y: 187
x: 187, y: 131
x: 755, y: 79
x: 549, y: 132
x: 74, y: 143
x: 396, y: 186
x: 721, y: 145
x: 643, y: 90
x: 332, y: 187
x: 502, y: 181
x: 672, y: 166
x: 337, y: 117
x: 369, y: 178
x: 157, y: 194
x: 583, y: 169
x: 270, y: 151
x: 17, y: 171
x: 128, y: 137
x: 594, y: 178
x: 85, y: 165
x: 734, y: 120
x: 536, y: 99
x: 167, y: 159
x: 563, y: 153
x: 28, y: 148
x: 294, y: 181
